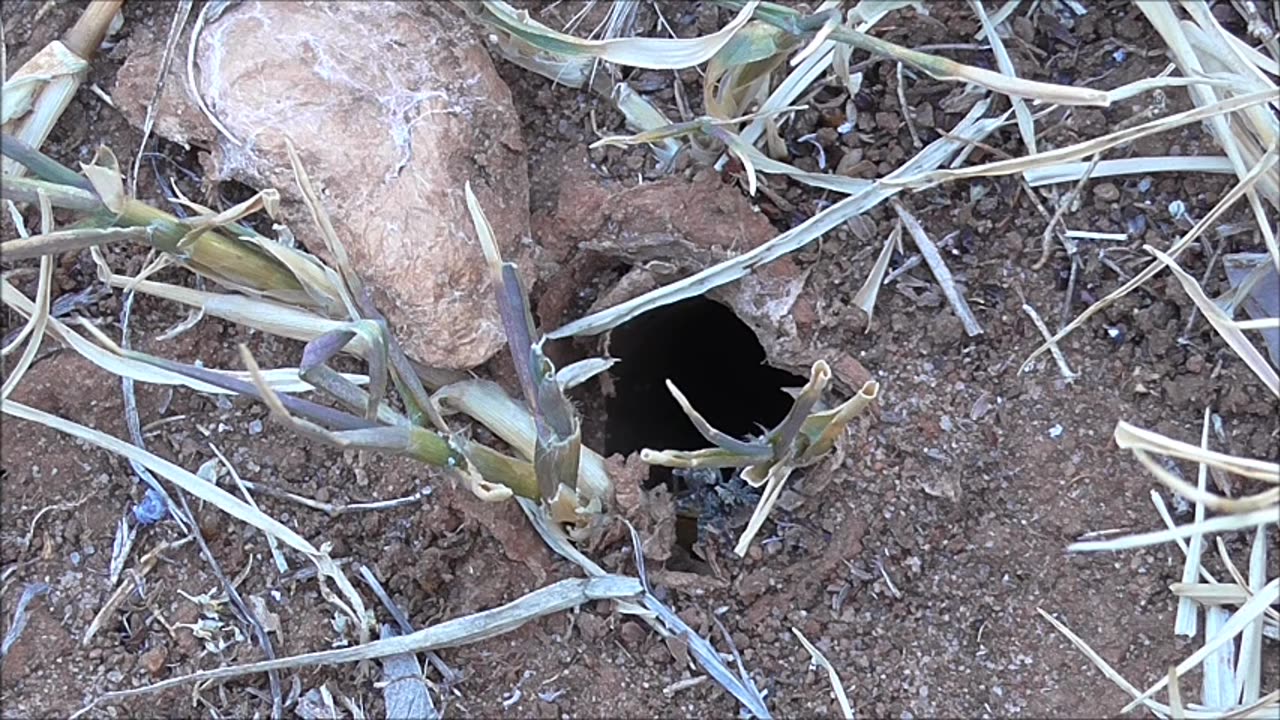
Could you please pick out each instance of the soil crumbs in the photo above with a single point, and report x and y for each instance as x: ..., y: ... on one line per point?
x: 916, y: 564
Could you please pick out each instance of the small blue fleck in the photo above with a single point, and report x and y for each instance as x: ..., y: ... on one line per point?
x: 152, y: 508
x: 1144, y: 184
x: 1119, y: 55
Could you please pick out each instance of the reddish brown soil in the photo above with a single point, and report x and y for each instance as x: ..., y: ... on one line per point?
x: 967, y: 512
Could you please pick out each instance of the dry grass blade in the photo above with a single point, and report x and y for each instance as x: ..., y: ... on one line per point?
x: 1226, y: 327
x: 107, y: 355
x: 1026, y: 124
x: 408, y: 439
x: 558, y: 446
x: 207, y: 492
x: 1073, y: 171
x: 773, y: 481
x: 749, y: 450
x: 1247, y: 613
x: 37, y: 94
x: 1264, y: 499
x: 1211, y: 593
x: 1130, y: 437
x: 753, y: 160
x: 1176, y: 711
x: 1200, y: 49
x: 62, y: 241
x: 1224, y: 523
x: 1088, y: 148
x: 33, y: 330
x: 939, y: 269
x: 1249, y: 671
x: 1101, y: 664
x: 801, y: 439
x: 180, y: 477
x: 1185, y: 620
x: 27, y: 190
x: 647, y: 53
x: 817, y: 658
x: 482, y: 625
x: 1064, y: 369
x: 971, y: 128
x: 574, y: 374
x: 660, y: 617
x: 870, y: 290
x: 404, y: 691
x: 794, y: 21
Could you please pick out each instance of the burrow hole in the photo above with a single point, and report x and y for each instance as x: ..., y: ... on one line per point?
x: 714, y: 359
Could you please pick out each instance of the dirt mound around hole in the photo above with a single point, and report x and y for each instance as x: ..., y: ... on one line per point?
x: 668, y: 229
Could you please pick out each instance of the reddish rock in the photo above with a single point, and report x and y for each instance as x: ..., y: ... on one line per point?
x: 390, y: 128
x: 154, y: 659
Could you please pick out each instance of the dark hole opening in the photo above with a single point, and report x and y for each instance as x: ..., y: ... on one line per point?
x: 712, y: 357
x: 716, y: 361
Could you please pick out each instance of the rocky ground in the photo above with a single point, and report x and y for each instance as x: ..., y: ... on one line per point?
x: 916, y: 560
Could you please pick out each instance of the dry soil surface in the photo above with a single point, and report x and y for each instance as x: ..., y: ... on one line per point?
x: 916, y: 561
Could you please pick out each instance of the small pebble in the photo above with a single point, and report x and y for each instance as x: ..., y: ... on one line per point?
x: 255, y: 427
x: 1106, y: 192
x: 1055, y: 432
x: 75, y: 558
x: 152, y: 509
x: 1136, y: 225
x: 153, y: 660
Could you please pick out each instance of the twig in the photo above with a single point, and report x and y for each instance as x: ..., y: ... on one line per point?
x: 653, y: 611
x: 893, y: 589
x: 336, y: 510
x: 451, y: 677
x: 29, y: 593
x: 135, y: 425
x: 1058, y: 357
x: 132, y: 580
x: 906, y: 112
x: 1204, y: 279
x: 1069, y: 297
x: 557, y: 597
x: 259, y: 632
x: 31, y: 533
x: 1046, y: 243
x: 180, y: 15
x: 281, y: 564
x: 906, y: 266
x: 184, y: 517
x: 817, y: 658
x: 940, y: 271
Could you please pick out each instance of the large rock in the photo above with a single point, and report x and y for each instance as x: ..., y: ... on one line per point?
x: 392, y: 107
